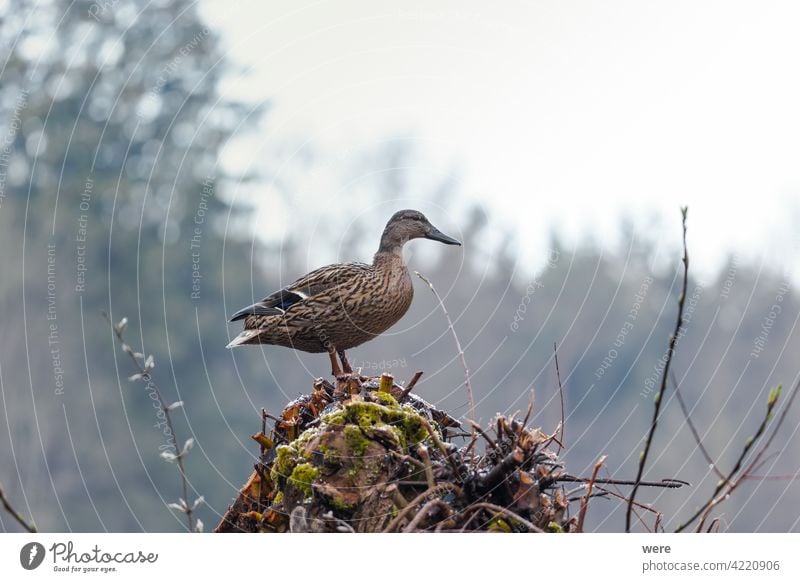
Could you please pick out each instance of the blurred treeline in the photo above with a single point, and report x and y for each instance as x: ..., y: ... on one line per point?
x: 114, y: 199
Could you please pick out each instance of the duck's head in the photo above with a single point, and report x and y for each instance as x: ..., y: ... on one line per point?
x: 409, y: 224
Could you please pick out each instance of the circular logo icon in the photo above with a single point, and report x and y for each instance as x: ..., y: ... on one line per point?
x: 31, y: 555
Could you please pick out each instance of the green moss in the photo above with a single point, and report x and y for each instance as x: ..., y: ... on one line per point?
x: 400, y: 435
x: 338, y: 417
x: 405, y: 419
x: 499, y: 524
x: 285, y: 462
x: 288, y: 456
x: 366, y: 414
x: 301, y: 441
x: 386, y: 398
x: 340, y: 504
x: 413, y: 427
x: 302, y: 477
x: 330, y: 455
x: 553, y: 527
x: 300, y: 462
x: 356, y: 442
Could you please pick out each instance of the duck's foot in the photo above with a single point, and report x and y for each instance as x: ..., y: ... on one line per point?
x: 345, y: 363
x: 336, y: 371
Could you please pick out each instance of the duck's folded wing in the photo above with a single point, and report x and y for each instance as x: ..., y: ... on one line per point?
x: 324, y: 278
x: 314, y: 283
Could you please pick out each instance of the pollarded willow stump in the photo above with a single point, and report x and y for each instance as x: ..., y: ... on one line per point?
x: 367, y: 456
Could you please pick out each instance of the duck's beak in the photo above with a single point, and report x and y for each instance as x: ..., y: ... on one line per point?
x: 437, y: 235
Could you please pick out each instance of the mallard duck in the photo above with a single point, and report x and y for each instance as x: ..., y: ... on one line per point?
x: 341, y: 306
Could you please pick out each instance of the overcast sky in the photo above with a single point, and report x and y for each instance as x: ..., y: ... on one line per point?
x: 567, y: 114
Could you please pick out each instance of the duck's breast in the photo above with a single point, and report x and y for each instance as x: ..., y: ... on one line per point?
x: 376, y: 303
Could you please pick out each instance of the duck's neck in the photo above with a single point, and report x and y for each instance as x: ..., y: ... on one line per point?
x: 390, y: 250
x: 389, y: 258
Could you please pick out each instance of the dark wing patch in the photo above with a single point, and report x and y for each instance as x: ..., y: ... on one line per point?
x: 255, y: 309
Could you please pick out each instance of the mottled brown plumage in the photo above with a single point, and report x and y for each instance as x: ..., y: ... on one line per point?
x: 338, y: 307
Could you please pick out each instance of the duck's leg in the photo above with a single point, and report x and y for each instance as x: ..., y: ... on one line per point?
x: 345, y: 364
x: 335, y: 369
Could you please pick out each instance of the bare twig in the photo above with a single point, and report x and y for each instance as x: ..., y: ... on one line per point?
x: 508, y: 513
x: 771, y: 477
x: 409, y: 459
x: 662, y: 390
x: 144, y: 365
x: 589, y: 486
x: 758, y: 458
x: 625, y: 499
x: 410, y: 386
x: 471, y: 445
x: 657, y: 525
x: 422, y: 513
x: 772, y: 400
x: 440, y: 445
x: 716, y: 498
x: 440, y: 488
x: 530, y: 409
x: 422, y: 451
x: 477, y: 429
x: 692, y: 428
x: 458, y: 346
x: 665, y: 483
x: 561, y: 396
x: 763, y: 461
x: 29, y: 527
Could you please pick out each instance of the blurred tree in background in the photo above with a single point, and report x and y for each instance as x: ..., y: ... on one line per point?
x: 113, y: 198
x: 112, y: 176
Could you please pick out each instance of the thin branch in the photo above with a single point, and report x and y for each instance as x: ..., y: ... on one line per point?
x: 421, y: 513
x: 775, y: 428
x: 561, y: 396
x: 772, y: 401
x: 508, y: 513
x: 662, y: 390
x: 692, y: 428
x: 458, y: 346
x: 477, y: 429
x: 410, y: 386
x: 771, y: 477
x: 411, y: 460
x: 440, y: 445
x: 665, y: 483
x: 716, y: 498
x: 144, y: 365
x: 764, y: 461
x: 530, y: 409
x: 422, y: 451
x: 625, y: 499
x: 572, y: 499
x: 589, y: 486
x: 440, y: 488
x: 29, y: 527
x: 468, y: 449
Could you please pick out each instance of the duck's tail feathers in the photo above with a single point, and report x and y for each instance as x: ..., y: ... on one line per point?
x: 246, y: 337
